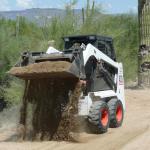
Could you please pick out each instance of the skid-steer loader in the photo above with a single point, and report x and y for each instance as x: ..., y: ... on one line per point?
x: 91, y: 60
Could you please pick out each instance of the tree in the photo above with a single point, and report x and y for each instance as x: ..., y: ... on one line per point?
x: 144, y: 48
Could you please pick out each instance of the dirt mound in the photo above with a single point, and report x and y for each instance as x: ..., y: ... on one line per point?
x: 42, y: 70
x: 54, y: 105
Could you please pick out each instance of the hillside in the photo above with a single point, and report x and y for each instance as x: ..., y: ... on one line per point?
x: 37, y: 14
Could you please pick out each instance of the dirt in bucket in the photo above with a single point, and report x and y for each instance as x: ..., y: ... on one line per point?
x: 41, y: 70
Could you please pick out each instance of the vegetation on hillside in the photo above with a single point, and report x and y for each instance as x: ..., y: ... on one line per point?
x: 21, y: 35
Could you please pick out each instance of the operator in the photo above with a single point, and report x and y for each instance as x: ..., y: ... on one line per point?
x: 76, y: 46
x: 51, y: 49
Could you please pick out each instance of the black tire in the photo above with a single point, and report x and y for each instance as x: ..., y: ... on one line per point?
x: 99, y: 117
x: 116, y: 113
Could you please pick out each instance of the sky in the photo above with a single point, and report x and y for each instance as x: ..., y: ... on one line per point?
x: 109, y: 6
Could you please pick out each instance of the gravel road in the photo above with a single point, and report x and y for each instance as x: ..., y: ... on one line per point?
x: 133, y: 135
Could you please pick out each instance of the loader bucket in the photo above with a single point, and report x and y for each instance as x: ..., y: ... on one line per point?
x: 46, y: 69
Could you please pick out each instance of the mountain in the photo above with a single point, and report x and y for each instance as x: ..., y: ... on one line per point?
x: 36, y: 14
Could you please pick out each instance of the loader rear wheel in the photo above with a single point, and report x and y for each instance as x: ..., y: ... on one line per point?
x: 116, y: 113
x: 98, y: 118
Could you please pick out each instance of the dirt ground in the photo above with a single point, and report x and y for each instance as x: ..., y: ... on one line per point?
x: 133, y: 135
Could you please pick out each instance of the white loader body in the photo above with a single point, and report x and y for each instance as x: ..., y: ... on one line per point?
x: 85, y: 102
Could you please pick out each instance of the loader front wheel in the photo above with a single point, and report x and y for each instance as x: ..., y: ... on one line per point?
x: 98, y: 118
x: 116, y: 113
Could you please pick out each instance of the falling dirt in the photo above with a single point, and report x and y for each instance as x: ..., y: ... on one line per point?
x: 54, y: 105
x: 54, y: 93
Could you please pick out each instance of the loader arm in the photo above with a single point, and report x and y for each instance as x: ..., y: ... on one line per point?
x: 93, y: 51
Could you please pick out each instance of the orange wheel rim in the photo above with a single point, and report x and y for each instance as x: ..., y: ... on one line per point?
x: 119, y: 113
x: 104, y: 117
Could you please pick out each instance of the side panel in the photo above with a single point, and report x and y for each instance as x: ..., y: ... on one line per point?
x: 84, y: 105
x: 120, y: 85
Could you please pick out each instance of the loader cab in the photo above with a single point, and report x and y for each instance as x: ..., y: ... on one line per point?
x: 104, y: 44
x: 97, y: 80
